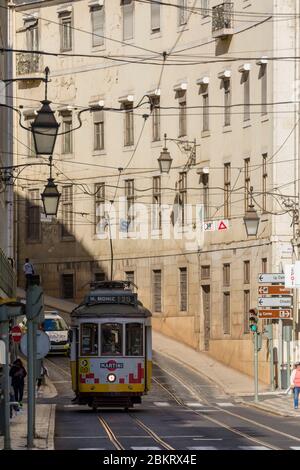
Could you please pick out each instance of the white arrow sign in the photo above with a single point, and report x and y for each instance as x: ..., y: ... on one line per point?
x: 275, y: 278
x: 275, y: 301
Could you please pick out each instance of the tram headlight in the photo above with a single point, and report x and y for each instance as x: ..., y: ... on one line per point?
x: 111, y: 378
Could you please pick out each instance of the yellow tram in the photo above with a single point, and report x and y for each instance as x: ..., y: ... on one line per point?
x: 111, y: 347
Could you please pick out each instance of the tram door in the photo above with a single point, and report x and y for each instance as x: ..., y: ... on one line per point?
x: 206, y: 311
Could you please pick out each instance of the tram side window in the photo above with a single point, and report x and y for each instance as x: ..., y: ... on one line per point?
x: 134, y: 339
x: 89, y: 339
x: 111, y: 339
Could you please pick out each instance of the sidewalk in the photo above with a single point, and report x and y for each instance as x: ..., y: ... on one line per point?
x: 231, y: 381
x: 45, y: 423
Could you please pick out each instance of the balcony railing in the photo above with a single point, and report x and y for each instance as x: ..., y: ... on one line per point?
x: 28, y: 63
x: 7, y: 276
x: 222, y: 20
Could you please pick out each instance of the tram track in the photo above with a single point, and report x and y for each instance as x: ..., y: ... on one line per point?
x: 200, y: 397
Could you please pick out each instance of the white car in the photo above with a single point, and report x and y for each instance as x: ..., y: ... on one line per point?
x: 58, y: 331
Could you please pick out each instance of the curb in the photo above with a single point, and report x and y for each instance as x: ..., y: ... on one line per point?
x: 268, y: 409
x: 51, y: 429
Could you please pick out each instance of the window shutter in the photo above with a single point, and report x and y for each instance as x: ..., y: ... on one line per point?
x: 127, y: 19
x: 98, y: 25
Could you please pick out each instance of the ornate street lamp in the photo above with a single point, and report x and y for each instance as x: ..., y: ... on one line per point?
x: 251, y: 218
x: 45, y: 127
x: 165, y: 160
x: 50, y: 196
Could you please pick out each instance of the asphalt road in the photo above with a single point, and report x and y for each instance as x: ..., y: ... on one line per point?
x: 183, y: 411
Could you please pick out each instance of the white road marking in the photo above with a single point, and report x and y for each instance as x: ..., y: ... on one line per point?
x: 253, y: 448
x: 225, y: 405
x: 145, y: 448
x: 207, y: 439
x: 81, y: 437
x: 161, y: 403
x: 202, y: 448
x: 295, y: 448
x: 194, y: 404
x: 206, y: 411
x: 92, y: 448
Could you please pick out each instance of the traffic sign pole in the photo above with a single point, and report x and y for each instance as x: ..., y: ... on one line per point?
x: 255, y: 366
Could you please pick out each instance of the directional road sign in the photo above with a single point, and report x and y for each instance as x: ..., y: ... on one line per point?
x: 275, y: 278
x: 275, y: 301
x: 42, y: 344
x: 276, y: 314
x: 274, y: 290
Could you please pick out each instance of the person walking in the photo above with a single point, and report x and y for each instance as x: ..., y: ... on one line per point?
x: 295, y: 383
x: 18, y: 374
x: 28, y: 271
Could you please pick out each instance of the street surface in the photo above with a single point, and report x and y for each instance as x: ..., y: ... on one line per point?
x: 183, y: 411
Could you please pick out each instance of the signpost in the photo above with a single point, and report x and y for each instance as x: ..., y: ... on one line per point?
x: 275, y: 314
x: 275, y: 301
x: 274, y: 278
x: 273, y: 290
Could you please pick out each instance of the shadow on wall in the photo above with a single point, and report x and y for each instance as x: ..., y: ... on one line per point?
x: 64, y: 265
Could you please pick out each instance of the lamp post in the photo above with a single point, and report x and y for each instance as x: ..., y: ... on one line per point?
x: 251, y: 218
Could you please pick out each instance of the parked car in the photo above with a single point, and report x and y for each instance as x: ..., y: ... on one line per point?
x: 58, y: 331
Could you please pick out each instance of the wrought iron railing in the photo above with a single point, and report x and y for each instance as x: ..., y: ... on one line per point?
x: 28, y: 63
x: 7, y: 276
x: 222, y: 16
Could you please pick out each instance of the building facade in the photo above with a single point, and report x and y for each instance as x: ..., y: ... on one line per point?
x: 217, y: 79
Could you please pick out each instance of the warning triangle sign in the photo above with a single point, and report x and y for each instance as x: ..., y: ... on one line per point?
x: 223, y: 225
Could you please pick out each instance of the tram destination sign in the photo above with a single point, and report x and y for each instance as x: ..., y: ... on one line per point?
x: 129, y: 299
x: 274, y: 278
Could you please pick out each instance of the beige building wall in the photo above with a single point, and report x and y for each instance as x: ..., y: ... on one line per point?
x: 95, y: 73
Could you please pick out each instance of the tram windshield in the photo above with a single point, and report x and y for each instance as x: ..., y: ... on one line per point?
x: 89, y: 339
x: 111, y: 339
x: 134, y: 339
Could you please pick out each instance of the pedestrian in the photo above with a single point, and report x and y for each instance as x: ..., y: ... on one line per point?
x: 295, y: 383
x: 18, y: 374
x: 28, y: 271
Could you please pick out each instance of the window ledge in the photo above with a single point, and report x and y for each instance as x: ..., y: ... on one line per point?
x: 98, y: 48
x: 67, y: 155
x: 227, y: 129
x: 182, y: 28
x: 128, y: 148
x: 67, y: 239
x: 205, y: 134
x: 127, y: 41
x: 155, y: 34
x: 156, y: 143
x: 246, y: 124
x: 264, y: 118
x: 97, y: 153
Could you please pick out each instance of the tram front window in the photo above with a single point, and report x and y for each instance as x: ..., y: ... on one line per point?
x: 89, y: 339
x: 111, y: 339
x: 134, y: 339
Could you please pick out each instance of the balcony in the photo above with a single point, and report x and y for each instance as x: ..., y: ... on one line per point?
x: 28, y: 63
x: 222, y: 20
x: 7, y: 276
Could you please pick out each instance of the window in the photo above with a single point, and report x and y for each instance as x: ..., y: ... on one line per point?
x: 68, y: 286
x: 183, y: 289
x: 182, y: 114
x: 183, y: 196
x: 246, y: 310
x: 205, y: 272
x: 67, y: 139
x: 128, y: 12
x: 156, y: 201
x: 227, y: 189
x: 30, y: 140
x: 227, y: 102
x: 33, y: 221
x: 54, y: 324
x: 204, y: 181
x: 246, y: 272
x: 98, y: 130
x: 129, y: 194
x: 205, y: 111
x: 205, y: 8
x: 182, y: 12
x: 156, y: 290
x: 129, y: 276
x: 247, y: 182
x: 32, y: 61
x: 128, y: 124
x: 67, y: 212
x: 264, y: 265
x: 134, y: 339
x: 100, y: 220
x: 98, y: 24
x: 246, y: 80
x: 111, y: 339
x: 155, y: 17
x: 226, y: 313
x: 264, y: 182
x: 89, y: 339
x: 264, y: 89
x: 100, y: 276
x: 155, y: 101
x: 226, y: 274
x: 65, y: 31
